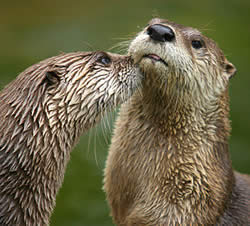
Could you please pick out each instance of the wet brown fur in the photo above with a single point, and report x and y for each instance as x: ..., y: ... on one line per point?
x: 42, y: 115
x: 169, y: 162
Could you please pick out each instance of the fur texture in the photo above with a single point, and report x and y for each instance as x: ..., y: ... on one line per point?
x: 169, y: 162
x: 43, y: 112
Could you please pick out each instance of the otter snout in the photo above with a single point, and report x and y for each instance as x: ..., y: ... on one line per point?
x: 161, y: 33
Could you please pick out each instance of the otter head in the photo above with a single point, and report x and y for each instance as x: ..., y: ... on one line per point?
x: 68, y: 92
x: 181, y: 60
x: 81, y: 87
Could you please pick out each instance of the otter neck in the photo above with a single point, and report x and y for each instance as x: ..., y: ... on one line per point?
x: 34, y: 160
x: 191, y: 143
x: 173, y: 108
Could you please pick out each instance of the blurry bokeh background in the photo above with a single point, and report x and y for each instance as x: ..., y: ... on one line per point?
x: 33, y: 30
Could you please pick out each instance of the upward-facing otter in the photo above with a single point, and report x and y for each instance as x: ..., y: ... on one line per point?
x: 42, y: 114
x: 169, y: 162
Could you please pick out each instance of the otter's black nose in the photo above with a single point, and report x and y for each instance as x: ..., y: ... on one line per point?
x: 160, y: 33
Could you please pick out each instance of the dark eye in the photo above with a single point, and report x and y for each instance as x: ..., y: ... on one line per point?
x: 197, y: 44
x: 104, y: 60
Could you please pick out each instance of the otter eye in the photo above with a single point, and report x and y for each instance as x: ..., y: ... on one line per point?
x: 197, y: 44
x: 104, y: 60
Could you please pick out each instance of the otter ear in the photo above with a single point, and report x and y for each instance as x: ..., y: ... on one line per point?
x: 229, y: 69
x: 52, y: 77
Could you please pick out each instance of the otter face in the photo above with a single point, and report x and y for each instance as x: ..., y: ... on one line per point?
x: 182, y: 57
x: 84, y: 85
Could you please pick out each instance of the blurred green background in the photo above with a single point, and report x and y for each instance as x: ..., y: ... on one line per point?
x: 34, y: 30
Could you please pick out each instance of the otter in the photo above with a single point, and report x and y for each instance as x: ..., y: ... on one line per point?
x: 169, y: 161
x: 43, y: 112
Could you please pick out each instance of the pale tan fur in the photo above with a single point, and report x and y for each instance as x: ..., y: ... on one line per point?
x: 169, y: 162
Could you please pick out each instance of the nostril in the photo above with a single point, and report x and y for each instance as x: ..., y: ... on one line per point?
x: 161, y: 33
x: 150, y: 30
x: 169, y: 35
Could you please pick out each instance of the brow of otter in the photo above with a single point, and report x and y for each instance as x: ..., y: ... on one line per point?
x: 191, y: 32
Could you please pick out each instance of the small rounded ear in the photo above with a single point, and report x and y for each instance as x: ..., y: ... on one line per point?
x: 230, y: 69
x: 52, y: 77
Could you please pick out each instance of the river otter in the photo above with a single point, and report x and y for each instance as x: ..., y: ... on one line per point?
x: 42, y: 114
x: 169, y: 161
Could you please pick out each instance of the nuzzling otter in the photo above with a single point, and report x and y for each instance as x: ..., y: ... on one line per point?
x: 42, y: 114
x: 169, y: 161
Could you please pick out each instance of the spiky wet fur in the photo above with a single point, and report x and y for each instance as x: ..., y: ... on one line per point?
x: 42, y: 114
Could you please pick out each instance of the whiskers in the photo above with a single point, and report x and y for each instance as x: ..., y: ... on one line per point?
x: 91, y: 145
x: 99, y: 136
x: 107, y: 123
x: 122, y: 45
x: 96, y: 146
x: 208, y: 27
x: 89, y: 46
